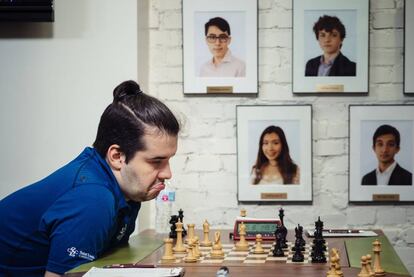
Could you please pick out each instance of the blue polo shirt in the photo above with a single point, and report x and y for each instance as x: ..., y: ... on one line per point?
x: 69, y: 218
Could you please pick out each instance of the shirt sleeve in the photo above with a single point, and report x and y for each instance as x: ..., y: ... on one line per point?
x: 78, y: 226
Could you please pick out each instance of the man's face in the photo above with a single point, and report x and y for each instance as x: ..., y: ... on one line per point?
x: 386, y: 148
x: 330, y: 42
x: 220, y: 45
x: 142, y: 178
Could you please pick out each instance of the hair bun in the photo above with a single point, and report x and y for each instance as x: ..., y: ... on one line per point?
x: 126, y: 88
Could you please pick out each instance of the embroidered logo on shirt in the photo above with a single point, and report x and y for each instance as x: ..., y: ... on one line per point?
x: 122, y: 232
x: 73, y: 252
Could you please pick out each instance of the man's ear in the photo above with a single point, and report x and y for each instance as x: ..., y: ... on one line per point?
x: 114, y: 157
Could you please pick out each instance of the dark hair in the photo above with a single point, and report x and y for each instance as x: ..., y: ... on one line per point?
x: 220, y: 23
x: 286, y: 165
x: 385, y: 130
x: 328, y: 23
x: 125, y: 120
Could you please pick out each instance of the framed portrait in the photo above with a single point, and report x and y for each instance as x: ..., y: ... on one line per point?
x: 381, y: 153
x: 409, y: 47
x: 330, y: 46
x: 220, y: 47
x: 274, y: 153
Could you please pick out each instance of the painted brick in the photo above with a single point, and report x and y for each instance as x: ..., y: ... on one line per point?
x: 203, y: 163
x: 360, y: 216
x: 388, y: 19
x: 386, y: 216
x: 170, y: 20
x: 330, y: 147
x: 382, y: 4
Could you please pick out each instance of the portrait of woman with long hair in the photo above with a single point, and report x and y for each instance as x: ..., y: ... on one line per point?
x: 274, y: 164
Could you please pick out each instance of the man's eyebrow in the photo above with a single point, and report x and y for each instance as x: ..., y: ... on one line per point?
x: 157, y: 158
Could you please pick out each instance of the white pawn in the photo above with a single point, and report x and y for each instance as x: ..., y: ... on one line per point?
x: 258, y: 247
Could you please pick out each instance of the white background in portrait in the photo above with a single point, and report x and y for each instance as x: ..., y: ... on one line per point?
x: 305, y: 38
x: 404, y: 157
x: 246, y: 11
x: 403, y: 116
x: 409, y: 47
x: 296, y: 122
x: 237, y: 46
x: 289, y: 127
x: 348, y: 19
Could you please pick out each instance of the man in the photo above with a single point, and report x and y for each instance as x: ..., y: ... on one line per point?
x: 386, y: 144
x: 330, y: 33
x: 90, y: 205
x: 223, y: 63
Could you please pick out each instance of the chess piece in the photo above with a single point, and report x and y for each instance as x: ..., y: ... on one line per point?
x: 168, y: 251
x: 243, y: 212
x: 369, y: 265
x: 278, y: 250
x: 299, y: 239
x: 258, y: 247
x: 206, y: 229
x: 282, y: 229
x: 364, y: 272
x: 217, y: 250
x: 242, y: 244
x: 337, y: 265
x: 319, y: 247
x: 377, y: 259
x: 190, y: 232
x: 179, y: 245
x: 181, y: 217
x: 196, y: 249
x: 298, y: 256
x: 190, y: 258
x: 332, y: 268
x: 173, y: 233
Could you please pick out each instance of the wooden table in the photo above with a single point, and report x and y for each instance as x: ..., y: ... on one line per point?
x: 265, y: 269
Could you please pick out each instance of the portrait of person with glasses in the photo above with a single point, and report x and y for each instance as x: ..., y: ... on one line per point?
x: 223, y: 63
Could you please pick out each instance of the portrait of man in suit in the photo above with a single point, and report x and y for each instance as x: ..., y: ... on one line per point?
x: 330, y: 33
x: 386, y: 144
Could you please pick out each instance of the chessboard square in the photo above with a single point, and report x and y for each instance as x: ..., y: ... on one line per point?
x: 212, y: 261
x: 258, y: 261
x: 257, y: 255
x: 239, y: 253
x: 276, y: 258
x: 232, y: 258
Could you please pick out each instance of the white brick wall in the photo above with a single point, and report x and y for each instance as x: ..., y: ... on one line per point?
x: 206, y: 164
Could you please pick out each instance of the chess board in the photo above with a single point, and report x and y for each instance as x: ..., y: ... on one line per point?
x: 231, y: 256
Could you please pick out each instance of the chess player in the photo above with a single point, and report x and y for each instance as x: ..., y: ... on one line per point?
x: 274, y: 164
x: 91, y: 204
x: 386, y: 144
x: 330, y: 33
x: 223, y: 63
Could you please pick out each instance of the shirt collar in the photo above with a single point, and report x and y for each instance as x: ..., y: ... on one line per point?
x: 113, y: 183
x: 388, y: 170
x: 330, y: 62
x: 226, y: 59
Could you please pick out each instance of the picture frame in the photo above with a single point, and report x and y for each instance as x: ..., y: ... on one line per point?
x: 226, y: 65
x: 259, y: 177
x: 373, y: 146
x: 348, y: 74
x: 408, y: 46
